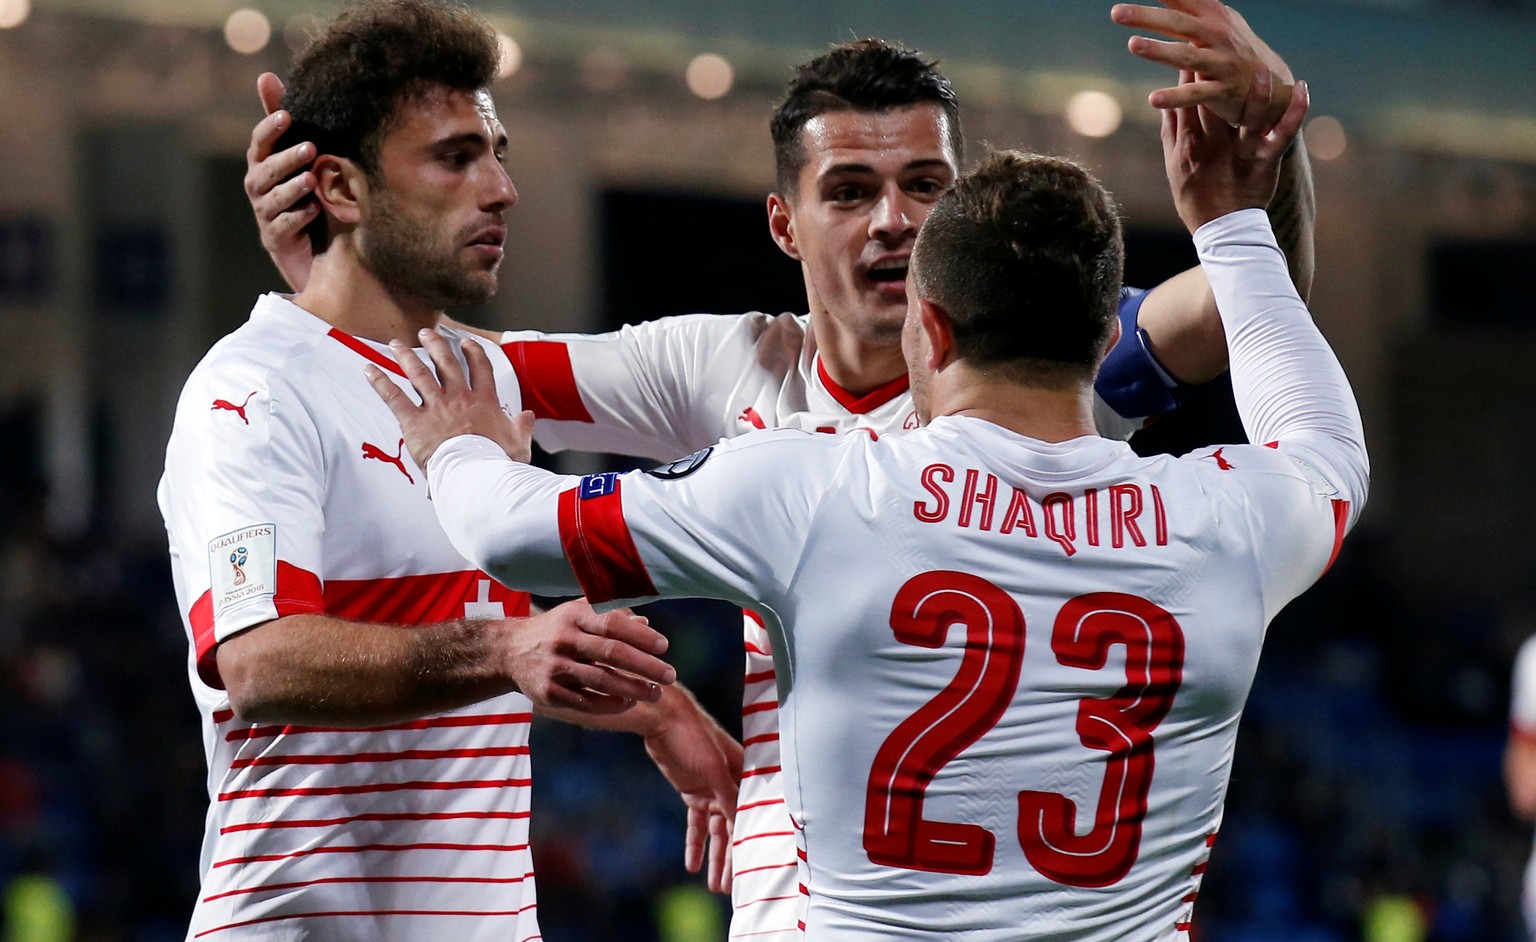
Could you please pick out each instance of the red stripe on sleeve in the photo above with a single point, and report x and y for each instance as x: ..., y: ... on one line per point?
x: 600, y: 549
x: 298, y: 593
x: 1340, y: 517
x: 543, y: 369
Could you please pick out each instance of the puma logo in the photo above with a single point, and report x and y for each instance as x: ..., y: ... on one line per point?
x: 231, y: 407
x: 1221, y: 462
x: 396, y: 459
x: 752, y: 418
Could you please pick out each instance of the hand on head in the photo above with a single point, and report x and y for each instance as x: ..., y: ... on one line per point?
x: 1215, y: 168
x: 452, y: 402
x: 279, y: 186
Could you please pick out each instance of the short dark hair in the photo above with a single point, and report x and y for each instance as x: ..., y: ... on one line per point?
x: 868, y: 75
x: 1025, y: 254
x: 348, y: 86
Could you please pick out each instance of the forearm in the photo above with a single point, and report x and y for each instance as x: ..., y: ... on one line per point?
x: 501, y: 515
x: 1288, y: 384
x: 1293, y: 216
x: 324, y: 671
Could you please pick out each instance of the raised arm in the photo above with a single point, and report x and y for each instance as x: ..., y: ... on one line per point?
x: 1223, y: 54
x: 1289, y: 386
x: 278, y: 184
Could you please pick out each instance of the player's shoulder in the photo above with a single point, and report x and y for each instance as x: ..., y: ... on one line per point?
x: 268, y: 345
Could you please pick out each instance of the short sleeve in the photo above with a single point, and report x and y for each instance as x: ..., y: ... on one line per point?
x: 243, y: 497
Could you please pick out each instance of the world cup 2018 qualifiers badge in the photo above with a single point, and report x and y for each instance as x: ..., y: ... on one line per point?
x: 237, y: 559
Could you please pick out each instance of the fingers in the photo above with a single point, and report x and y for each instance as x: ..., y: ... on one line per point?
x: 626, y: 643
x: 450, y: 375
x: 719, y: 879
x: 269, y: 88
x: 1178, y: 55
x: 416, y: 371
x: 1188, y: 95
x: 694, y: 840
x: 601, y: 679
x: 394, y: 397
x: 482, y: 376
x: 1285, y: 130
x: 1160, y: 20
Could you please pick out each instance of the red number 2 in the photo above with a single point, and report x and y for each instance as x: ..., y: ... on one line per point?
x: 895, y: 832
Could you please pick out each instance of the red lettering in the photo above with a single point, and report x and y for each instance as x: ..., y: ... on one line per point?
x: 1091, y: 512
x: 941, y: 499
x: 986, y: 498
x: 1060, y: 520
x: 1124, y: 508
x: 1019, y: 514
x: 1159, y: 517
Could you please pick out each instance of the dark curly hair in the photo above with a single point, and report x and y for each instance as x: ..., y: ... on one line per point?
x: 1025, y: 254
x: 348, y: 85
x: 868, y: 75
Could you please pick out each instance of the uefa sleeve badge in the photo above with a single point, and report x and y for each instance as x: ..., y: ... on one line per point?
x: 682, y: 467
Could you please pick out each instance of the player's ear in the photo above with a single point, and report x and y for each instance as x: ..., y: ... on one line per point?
x: 938, y: 330
x: 341, y: 187
x: 781, y: 224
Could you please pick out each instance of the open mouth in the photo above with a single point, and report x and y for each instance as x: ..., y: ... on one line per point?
x: 889, y: 270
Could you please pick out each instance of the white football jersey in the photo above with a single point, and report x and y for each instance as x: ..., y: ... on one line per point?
x: 1522, y: 725
x: 672, y: 386
x: 1011, y: 671
x: 288, y: 490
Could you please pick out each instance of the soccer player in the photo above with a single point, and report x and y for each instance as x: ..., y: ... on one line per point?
x: 365, y: 691
x: 1014, y: 654
x: 1520, y: 763
x: 866, y: 139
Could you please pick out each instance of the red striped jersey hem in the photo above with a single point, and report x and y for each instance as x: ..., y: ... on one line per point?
x: 765, y: 770
x: 768, y: 899
x: 759, y: 804
x: 330, y: 880
x: 403, y: 816
x: 404, y: 755
x: 748, y: 935
x: 366, y: 912
x: 367, y: 789
x: 435, y: 722
x: 753, y: 837
x: 367, y: 849
x: 759, y: 677
x: 1183, y: 926
x: 763, y: 707
x: 755, y: 740
x: 778, y: 866
x: 754, y: 649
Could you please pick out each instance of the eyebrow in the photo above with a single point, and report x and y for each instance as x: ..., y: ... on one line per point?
x: 468, y: 137
x: 923, y: 164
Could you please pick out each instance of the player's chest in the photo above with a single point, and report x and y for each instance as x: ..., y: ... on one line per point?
x: 768, y: 402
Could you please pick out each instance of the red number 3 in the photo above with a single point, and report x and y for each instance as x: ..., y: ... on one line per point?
x: 895, y: 831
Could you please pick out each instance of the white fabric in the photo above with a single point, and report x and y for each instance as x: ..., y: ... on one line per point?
x: 821, y: 535
x: 407, y: 823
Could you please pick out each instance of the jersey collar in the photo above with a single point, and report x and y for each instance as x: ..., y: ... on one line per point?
x: 362, y: 348
x: 870, y: 401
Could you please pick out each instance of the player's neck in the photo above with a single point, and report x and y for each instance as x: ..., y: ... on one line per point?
x: 350, y: 298
x: 1042, y: 413
x: 855, y: 365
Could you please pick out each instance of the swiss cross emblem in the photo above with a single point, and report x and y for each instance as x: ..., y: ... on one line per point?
x: 482, y: 606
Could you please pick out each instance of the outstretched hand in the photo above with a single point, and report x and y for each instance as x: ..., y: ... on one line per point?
x: 453, y: 402
x: 279, y: 186
x: 1215, y: 43
x: 1214, y: 168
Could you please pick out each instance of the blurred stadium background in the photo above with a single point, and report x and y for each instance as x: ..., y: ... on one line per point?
x: 1366, y: 802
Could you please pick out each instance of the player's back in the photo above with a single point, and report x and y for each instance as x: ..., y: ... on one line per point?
x: 1027, y: 663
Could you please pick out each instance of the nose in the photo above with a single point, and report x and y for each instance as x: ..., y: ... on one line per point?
x: 502, y: 194
x: 892, y: 221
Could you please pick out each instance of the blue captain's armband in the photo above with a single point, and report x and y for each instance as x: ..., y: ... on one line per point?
x: 1132, y: 381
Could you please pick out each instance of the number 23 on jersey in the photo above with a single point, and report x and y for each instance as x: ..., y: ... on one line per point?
x: 896, y: 833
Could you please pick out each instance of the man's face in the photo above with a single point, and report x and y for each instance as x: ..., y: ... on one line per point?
x: 432, y: 228
x: 869, y: 181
